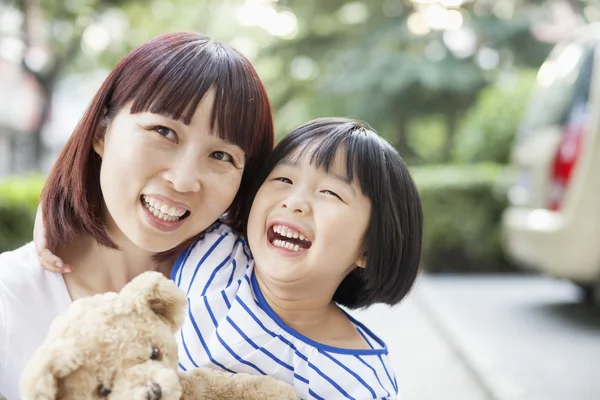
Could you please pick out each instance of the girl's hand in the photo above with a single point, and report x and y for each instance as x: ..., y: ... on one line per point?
x: 48, y: 260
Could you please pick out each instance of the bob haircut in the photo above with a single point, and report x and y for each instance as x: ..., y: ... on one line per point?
x: 168, y: 75
x: 394, y: 234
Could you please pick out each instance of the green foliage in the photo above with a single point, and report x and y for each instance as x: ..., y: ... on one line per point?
x: 427, y: 137
x: 462, y: 206
x: 19, y: 197
x: 376, y: 69
x: 486, y: 133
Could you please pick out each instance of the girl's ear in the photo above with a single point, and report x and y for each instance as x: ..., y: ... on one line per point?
x: 361, y: 261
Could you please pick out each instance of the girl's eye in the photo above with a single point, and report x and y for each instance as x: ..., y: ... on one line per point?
x: 166, y: 132
x: 222, y: 156
x: 284, y: 180
x: 330, y: 193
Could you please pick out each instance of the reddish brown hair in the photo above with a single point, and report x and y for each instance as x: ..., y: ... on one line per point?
x: 167, y: 75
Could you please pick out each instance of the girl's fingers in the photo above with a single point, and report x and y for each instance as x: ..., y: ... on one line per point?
x: 52, y: 263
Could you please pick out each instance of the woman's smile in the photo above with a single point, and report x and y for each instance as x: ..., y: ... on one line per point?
x: 161, y: 215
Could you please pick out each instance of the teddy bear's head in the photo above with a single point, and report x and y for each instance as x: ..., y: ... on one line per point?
x: 118, y: 346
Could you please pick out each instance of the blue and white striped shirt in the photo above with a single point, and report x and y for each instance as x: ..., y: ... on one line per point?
x: 230, y: 326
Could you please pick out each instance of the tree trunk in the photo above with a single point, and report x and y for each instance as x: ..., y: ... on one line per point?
x: 401, y: 143
x: 39, y: 149
x: 451, y: 122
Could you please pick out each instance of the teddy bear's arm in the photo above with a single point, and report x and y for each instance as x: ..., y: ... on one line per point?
x: 211, y: 384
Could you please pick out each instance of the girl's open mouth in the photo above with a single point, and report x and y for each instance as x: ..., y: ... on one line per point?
x: 284, y: 237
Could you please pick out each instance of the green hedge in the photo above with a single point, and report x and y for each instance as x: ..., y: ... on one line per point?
x: 487, y: 131
x: 462, y: 206
x: 19, y: 197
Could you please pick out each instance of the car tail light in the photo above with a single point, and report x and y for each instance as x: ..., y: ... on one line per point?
x: 565, y: 158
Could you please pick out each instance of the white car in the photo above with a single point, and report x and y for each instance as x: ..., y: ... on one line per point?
x: 552, y: 224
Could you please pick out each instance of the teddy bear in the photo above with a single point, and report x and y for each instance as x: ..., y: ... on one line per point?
x: 121, y: 346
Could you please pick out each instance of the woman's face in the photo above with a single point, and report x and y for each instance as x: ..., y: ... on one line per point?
x: 164, y: 182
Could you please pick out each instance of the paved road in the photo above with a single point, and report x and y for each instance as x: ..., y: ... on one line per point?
x: 427, y: 366
x: 527, y: 337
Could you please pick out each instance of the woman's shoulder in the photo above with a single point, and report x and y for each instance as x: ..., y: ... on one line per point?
x: 24, y: 281
x: 19, y: 264
x: 30, y: 298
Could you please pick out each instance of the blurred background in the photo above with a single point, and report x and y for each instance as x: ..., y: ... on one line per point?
x: 450, y: 83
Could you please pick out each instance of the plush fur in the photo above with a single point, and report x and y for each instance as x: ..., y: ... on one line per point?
x: 122, y: 347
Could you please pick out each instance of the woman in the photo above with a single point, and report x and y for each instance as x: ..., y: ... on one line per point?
x: 168, y: 145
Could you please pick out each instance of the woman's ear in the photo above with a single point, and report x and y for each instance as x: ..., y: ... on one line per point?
x: 99, y: 146
x: 99, y: 142
x: 361, y: 261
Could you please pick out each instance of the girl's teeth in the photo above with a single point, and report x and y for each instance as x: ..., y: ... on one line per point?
x: 286, y: 245
x: 288, y: 232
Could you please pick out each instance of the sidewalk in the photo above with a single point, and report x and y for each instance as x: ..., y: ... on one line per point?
x: 427, y: 363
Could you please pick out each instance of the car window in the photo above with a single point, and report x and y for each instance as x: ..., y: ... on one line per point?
x: 562, y: 87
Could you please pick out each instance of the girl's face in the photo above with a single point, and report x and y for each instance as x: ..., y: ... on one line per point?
x: 308, y: 226
x: 162, y: 181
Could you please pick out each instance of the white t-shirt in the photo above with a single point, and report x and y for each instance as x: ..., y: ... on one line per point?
x: 30, y: 299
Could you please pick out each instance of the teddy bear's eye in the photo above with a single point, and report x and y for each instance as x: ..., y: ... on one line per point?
x: 102, y: 391
x: 155, y: 354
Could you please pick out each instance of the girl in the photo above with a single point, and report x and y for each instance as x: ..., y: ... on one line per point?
x: 335, y: 221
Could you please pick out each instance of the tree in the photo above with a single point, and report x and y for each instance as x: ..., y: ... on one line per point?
x: 389, y: 61
x: 52, y: 34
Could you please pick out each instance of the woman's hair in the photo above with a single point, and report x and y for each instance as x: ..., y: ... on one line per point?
x: 168, y: 75
x: 394, y: 234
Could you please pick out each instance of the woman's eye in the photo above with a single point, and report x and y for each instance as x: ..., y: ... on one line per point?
x: 222, y: 156
x: 330, y: 193
x: 166, y: 132
x: 284, y: 180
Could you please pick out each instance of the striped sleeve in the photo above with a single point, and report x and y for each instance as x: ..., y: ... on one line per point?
x: 218, y: 258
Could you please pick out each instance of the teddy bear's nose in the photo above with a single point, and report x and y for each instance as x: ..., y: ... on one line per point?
x: 154, y: 392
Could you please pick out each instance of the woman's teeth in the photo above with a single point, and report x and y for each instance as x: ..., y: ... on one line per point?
x: 161, y: 210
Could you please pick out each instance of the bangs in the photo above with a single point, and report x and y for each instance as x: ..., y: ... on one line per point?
x: 171, y: 77
x: 363, y: 148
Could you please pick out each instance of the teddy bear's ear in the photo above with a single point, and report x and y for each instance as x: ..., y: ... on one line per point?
x: 154, y: 291
x: 48, y: 364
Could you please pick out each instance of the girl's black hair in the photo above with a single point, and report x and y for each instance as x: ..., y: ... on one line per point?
x: 394, y: 235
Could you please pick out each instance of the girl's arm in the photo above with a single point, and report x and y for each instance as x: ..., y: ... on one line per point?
x: 48, y: 260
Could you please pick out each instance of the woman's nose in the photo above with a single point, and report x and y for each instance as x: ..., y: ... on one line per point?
x: 184, y: 175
